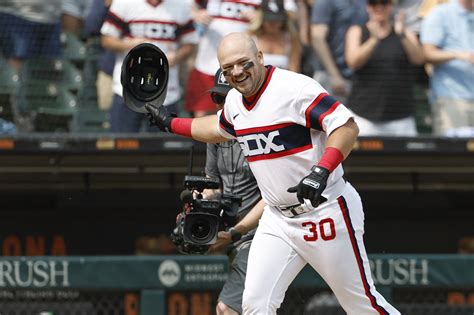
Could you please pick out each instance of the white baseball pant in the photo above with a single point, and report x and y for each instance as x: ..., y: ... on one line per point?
x: 330, y: 240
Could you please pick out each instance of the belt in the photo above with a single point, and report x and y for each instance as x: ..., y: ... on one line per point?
x: 293, y: 211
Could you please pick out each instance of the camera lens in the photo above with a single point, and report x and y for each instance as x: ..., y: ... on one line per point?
x: 200, y: 229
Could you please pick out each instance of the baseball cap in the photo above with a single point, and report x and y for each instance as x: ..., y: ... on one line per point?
x: 221, y: 85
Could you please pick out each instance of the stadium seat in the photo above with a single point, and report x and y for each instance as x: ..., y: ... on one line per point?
x: 50, y: 106
x: 87, y: 97
x: 60, y: 72
x: 9, y: 82
x: 73, y: 48
x: 91, y: 120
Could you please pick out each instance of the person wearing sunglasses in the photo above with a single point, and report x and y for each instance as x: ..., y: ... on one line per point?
x: 227, y: 162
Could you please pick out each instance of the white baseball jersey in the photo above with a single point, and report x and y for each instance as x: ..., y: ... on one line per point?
x: 227, y: 18
x: 166, y: 25
x: 283, y: 131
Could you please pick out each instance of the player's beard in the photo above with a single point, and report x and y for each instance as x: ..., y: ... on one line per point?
x: 252, y: 83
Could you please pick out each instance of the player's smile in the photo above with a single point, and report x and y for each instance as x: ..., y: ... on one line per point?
x: 241, y: 80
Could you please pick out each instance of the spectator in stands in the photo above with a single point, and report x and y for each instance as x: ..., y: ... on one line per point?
x: 416, y: 10
x: 448, y: 41
x: 74, y: 14
x: 330, y: 21
x: 106, y: 60
x: 29, y: 29
x: 218, y: 18
x: 276, y: 36
x: 382, y: 55
x: 165, y: 24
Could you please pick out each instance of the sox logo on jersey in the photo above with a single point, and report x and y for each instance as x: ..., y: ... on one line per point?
x: 229, y: 10
x: 154, y: 30
x: 263, y: 143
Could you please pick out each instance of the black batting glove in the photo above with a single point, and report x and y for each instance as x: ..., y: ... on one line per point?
x: 312, y: 186
x: 160, y: 117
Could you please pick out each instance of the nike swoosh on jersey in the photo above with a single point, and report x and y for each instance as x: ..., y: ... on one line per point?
x: 235, y: 116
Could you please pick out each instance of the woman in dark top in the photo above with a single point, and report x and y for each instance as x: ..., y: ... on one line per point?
x: 382, y: 55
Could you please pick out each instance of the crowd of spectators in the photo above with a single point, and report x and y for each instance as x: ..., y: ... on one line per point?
x: 375, y: 56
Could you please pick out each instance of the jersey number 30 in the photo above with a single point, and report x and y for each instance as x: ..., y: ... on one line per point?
x: 327, y: 230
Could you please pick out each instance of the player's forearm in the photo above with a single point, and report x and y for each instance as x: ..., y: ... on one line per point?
x: 204, y: 129
x: 344, y: 138
x: 250, y: 221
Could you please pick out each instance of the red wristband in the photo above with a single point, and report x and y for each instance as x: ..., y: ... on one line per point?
x: 331, y: 158
x: 182, y: 126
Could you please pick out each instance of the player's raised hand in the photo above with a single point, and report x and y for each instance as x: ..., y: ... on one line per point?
x: 160, y: 117
x: 312, y: 186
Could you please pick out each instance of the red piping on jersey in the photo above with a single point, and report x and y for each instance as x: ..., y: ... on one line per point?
x: 156, y: 39
x: 231, y: 19
x: 152, y: 21
x: 279, y: 154
x: 243, y: 2
x: 329, y: 111
x: 250, y: 103
x: 345, y: 213
x: 242, y: 132
x: 310, y: 108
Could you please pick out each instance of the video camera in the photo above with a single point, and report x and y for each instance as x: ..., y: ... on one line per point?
x: 201, y: 219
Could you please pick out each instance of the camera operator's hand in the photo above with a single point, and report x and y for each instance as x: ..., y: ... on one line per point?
x: 160, y: 117
x: 224, y: 238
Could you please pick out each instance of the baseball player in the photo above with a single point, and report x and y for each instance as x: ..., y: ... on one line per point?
x: 294, y: 136
x: 166, y: 24
x: 227, y: 162
x: 219, y: 18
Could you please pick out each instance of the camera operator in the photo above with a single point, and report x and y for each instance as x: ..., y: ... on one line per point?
x: 226, y: 161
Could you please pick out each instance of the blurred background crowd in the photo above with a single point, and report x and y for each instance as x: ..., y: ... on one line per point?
x: 404, y: 67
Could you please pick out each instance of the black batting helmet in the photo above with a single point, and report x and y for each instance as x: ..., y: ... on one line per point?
x: 144, y: 77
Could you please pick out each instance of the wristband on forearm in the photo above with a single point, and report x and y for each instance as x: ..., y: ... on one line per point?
x: 181, y: 126
x: 235, y: 235
x: 331, y: 158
